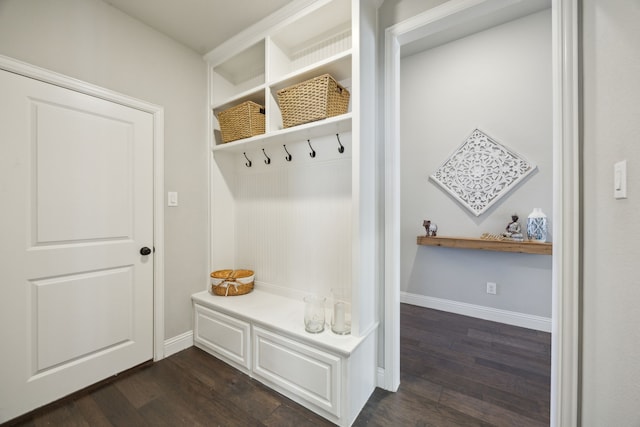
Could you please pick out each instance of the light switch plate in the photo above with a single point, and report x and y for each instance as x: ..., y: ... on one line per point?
x: 172, y: 198
x: 620, y: 180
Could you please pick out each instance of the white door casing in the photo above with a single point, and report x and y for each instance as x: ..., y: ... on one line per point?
x: 77, y: 177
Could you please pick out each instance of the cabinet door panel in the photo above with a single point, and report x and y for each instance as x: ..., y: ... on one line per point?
x: 224, y: 335
x: 304, y: 371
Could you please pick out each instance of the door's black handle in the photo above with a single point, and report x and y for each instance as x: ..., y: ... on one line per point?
x: 145, y: 250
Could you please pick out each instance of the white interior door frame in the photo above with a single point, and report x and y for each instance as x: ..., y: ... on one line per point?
x: 566, y: 195
x: 31, y: 71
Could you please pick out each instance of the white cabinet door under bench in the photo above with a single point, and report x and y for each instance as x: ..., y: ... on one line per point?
x: 313, y: 374
x: 228, y: 337
x: 262, y: 334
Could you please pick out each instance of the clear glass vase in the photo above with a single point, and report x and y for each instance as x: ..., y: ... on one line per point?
x: 341, y: 313
x: 314, y: 314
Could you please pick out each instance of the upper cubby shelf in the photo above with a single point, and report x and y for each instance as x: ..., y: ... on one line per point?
x: 311, y: 42
x: 255, y: 94
x: 311, y: 39
x: 339, y: 66
x: 243, y: 72
x: 319, y: 40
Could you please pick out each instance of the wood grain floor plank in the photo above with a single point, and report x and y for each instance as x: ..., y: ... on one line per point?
x: 291, y: 414
x: 542, y: 380
x: 171, y: 411
x: 508, y: 341
x: 524, y: 362
x: 66, y: 415
x: 420, y: 387
x: 543, y: 360
x: 116, y: 408
x: 405, y: 409
x: 530, y: 334
x: 451, y: 367
x: 486, y: 411
x: 202, y: 402
x: 245, y: 393
x: 527, y: 407
x: 91, y: 412
x: 140, y: 389
x: 440, y: 338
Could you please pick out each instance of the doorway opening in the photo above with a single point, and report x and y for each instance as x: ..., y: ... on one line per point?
x: 454, y: 20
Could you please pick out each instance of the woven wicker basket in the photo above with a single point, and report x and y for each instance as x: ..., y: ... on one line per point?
x: 312, y: 100
x: 231, y: 282
x: 241, y: 121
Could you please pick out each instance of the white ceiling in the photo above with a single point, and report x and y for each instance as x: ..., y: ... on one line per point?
x: 199, y: 24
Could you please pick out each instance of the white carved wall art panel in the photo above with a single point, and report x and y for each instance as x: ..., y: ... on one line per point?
x: 480, y: 172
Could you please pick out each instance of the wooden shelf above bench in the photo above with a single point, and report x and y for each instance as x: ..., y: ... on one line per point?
x: 487, y: 245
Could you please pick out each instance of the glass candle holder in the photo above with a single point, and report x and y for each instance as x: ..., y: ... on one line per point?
x: 314, y: 314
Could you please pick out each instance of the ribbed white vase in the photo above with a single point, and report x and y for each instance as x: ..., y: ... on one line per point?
x: 537, y: 226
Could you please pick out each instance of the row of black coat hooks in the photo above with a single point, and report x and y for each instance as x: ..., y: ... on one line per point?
x: 289, y: 157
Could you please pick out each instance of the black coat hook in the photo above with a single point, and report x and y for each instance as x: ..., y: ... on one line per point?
x: 289, y: 156
x: 267, y: 161
x: 313, y: 152
x: 341, y: 147
x: 248, y: 164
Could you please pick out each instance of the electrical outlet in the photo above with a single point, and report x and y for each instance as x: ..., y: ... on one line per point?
x: 492, y: 288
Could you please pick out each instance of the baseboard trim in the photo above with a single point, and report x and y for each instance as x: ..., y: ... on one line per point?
x: 380, y: 379
x: 178, y: 343
x: 523, y: 320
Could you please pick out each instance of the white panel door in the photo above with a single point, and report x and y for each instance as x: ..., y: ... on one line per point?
x: 76, y: 294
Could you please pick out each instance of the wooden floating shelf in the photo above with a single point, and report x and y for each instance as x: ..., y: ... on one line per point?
x: 487, y: 245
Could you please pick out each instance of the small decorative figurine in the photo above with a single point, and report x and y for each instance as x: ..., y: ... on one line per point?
x: 514, y: 231
x: 430, y: 227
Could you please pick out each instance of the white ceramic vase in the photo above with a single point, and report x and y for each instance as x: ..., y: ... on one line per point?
x: 537, y: 226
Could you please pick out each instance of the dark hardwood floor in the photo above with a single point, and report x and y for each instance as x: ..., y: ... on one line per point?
x: 456, y: 371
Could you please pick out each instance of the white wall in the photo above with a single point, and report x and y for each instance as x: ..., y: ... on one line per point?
x: 293, y: 219
x: 91, y: 41
x: 611, y: 288
x: 497, y: 80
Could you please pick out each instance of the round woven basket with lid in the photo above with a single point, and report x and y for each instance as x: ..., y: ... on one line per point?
x: 231, y: 282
